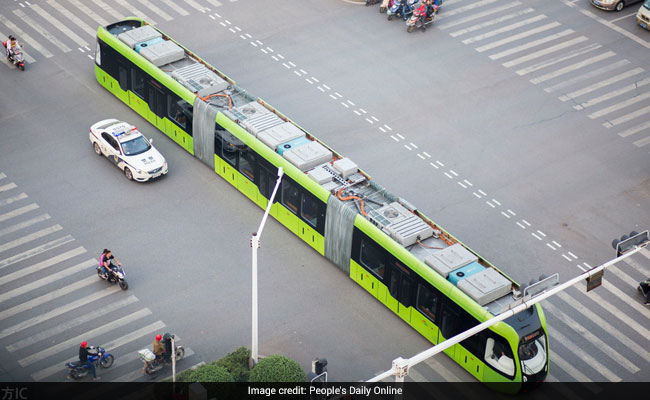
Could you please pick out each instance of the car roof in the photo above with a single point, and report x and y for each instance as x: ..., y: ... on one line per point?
x: 122, y: 131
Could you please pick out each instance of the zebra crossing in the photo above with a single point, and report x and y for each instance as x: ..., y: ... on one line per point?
x: 579, y: 71
x: 59, y: 26
x: 51, y: 299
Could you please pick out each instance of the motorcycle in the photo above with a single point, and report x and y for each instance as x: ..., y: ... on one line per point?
x: 16, y: 56
x: 116, y: 275
x: 644, y: 288
x: 401, y: 7
x: 153, y: 364
x: 371, y: 2
x: 101, y: 359
x: 385, y: 5
x: 421, y: 17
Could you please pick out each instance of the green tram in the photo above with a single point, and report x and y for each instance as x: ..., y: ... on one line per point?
x: 417, y: 269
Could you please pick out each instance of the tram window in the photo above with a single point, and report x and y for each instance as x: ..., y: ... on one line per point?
x: 427, y: 302
x: 266, y: 182
x: 122, y: 76
x: 247, y: 163
x: 290, y: 196
x: 499, y: 355
x: 373, y: 257
x: 450, y: 319
x: 310, y: 210
x: 229, y: 153
x: 175, y: 112
x: 137, y: 77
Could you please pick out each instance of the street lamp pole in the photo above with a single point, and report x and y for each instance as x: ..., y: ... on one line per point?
x: 255, y: 244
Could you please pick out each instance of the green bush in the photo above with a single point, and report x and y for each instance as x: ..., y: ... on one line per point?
x: 210, y: 373
x: 277, y: 368
x: 237, y: 363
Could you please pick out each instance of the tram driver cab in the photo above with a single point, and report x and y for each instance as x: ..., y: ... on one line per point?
x: 496, y: 357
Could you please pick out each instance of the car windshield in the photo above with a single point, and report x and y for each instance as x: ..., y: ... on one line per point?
x: 135, y: 146
x: 647, y: 4
x: 532, y: 355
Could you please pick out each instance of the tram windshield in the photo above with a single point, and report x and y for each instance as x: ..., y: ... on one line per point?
x: 532, y: 353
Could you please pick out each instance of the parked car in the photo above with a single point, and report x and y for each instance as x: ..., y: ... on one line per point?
x: 643, y: 16
x: 127, y: 148
x: 610, y: 5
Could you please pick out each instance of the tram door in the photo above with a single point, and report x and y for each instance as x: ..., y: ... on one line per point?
x: 400, y: 289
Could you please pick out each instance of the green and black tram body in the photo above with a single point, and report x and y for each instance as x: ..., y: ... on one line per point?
x: 422, y: 273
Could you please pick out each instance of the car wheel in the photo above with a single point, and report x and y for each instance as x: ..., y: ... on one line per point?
x: 620, y: 5
x: 97, y: 149
x: 128, y: 173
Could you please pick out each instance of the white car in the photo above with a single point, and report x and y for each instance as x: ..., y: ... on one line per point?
x: 127, y: 148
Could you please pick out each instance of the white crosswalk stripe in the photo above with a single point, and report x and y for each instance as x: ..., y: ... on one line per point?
x: 581, y: 353
x: 587, y: 75
x: 503, y: 29
x: 40, y: 29
x: 627, y: 117
x: 173, y: 5
x: 59, y: 25
x: 30, y: 237
x: 135, y: 11
x: 491, y: 22
x: 18, y: 211
x: 49, y: 333
x: 156, y: 9
x: 462, y: 9
x: 11, y: 185
x: 572, y: 67
x: 48, y: 279
x: 41, y: 265
x: 215, y: 3
x: 2, y: 175
x: 109, y: 10
x: 195, y: 5
x: 72, y: 17
x: 122, y: 340
x: 479, y: 15
x: 9, y: 200
x: 516, y: 37
x: 441, y: 370
x: 82, y: 7
x: 89, y: 335
x: 543, y: 52
x: 29, y: 41
x: 614, y: 93
x: 35, y: 251
x: 24, y: 224
x: 558, y: 59
x: 620, y: 105
x: 568, y: 367
x: 531, y: 44
x: 642, y: 142
x: 635, y: 129
x: 601, y: 84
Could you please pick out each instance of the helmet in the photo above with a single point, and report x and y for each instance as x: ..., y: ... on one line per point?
x: 84, y: 344
x: 158, y: 337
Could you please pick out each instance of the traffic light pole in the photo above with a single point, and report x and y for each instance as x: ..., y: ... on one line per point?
x: 400, y: 367
x: 255, y: 244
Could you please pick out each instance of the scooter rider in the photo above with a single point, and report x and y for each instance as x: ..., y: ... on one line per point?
x: 105, y: 260
x: 158, y: 347
x: 10, y: 44
x: 645, y: 289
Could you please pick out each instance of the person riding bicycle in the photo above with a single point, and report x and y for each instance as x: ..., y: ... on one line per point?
x: 105, y: 260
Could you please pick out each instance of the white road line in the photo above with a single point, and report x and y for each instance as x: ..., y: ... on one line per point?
x: 581, y: 268
x: 459, y: 10
x: 109, y: 10
x: 280, y: 56
x: 441, y: 370
x: 520, y: 225
x: 623, y: 17
x: 409, y: 149
x: 135, y: 11
x: 535, y: 236
x: 642, y: 142
x: 29, y: 41
x: 41, y: 265
x: 380, y: 128
x: 195, y: 5
x: 572, y: 67
x: 541, y: 233
x: 415, y: 147
x: 645, y: 253
x: 28, y: 305
x: 579, y: 352
x: 613, y: 93
x: 29, y: 238
x: 79, y: 5
x: 595, y: 340
x: 635, y: 129
x: 627, y: 117
x: 503, y: 29
x: 490, y: 204
x: 24, y: 224
x: 2, y: 175
x: 569, y: 369
x: 528, y: 45
x: 525, y: 222
x: 432, y: 164
x: 61, y: 26
x: 215, y: 3
x: 505, y: 215
x: 620, y: 105
x: 35, y: 251
x: 613, y: 330
x: 71, y: 17
x: 550, y: 246
x: 8, y: 186
x: 587, y: 75
x: 71, y: 343
x: 49, y: 333
x: 556, y: 243
x: 352, y: 104
x: 495, y: 200
x: 513, y: 38
x: 401, y: 137
x: 566, y: 257
x: 367, y: 119
x: 572, y: 255
x: 460, y: 183
x: 59, y: 311
x: 624, y: 276
x: 602, y: 84
x: 474, y: 193
x: 156, y: 9
x: 271, y: 50
x: 47, y: 280
x: 395, y: 139
x: 172, y: 4
x: 479, y: 15
x: 491, y: 22
x: 18, y: 211
x: 511, y: 212
x: 545, y: 51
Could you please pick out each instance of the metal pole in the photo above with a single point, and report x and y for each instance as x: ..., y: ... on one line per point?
x: 255, y: 242
x: 173, y: 360
x: 399, y: 364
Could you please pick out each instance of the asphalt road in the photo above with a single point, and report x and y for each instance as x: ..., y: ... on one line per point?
x: 497, y: 154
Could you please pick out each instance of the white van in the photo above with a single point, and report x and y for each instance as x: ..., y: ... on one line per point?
x: 643, y: 16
